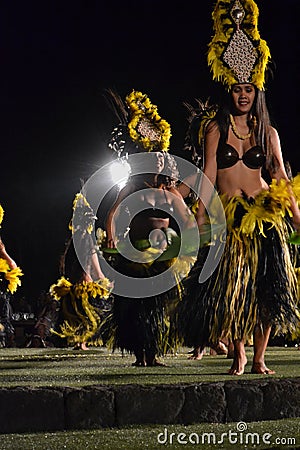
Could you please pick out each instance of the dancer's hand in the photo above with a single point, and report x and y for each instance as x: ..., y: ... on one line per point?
x: 111, y: 243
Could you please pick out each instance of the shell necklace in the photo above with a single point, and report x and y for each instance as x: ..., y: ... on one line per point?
x: 243, y: 137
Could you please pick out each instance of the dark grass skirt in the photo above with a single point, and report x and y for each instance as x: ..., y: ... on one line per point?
x: 254, y: 281
x: 145, y: 323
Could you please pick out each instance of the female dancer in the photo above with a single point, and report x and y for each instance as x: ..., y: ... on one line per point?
x: 254, y: 287
x: 143, y: 326
x: 157, y: 213
x: 83, y: 292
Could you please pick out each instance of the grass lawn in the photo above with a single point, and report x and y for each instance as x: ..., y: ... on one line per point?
x: 67, y: 367
x: 282, y: 434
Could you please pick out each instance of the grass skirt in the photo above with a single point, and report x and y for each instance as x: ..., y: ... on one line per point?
x: 83, y: 306
x: 255, y: 280
x: 147, y: 323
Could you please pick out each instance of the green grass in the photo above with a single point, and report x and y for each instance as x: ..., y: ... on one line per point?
x: 60, y: 367
x: 282, y: 434
x: 67, y: 367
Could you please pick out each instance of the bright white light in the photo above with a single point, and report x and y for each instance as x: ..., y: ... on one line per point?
x: 120, y: 171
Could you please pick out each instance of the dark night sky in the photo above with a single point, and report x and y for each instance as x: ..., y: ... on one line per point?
x: 57, y: 57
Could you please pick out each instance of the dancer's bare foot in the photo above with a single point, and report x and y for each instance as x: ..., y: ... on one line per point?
x: 196, y: 357
x: 80, y: 346
x: 239, y: 360
x: 238, y: 365
x: 260, y: 368
x: 83, y: 346
x: 197, y: 353
x: 140, y: 358
x: 218, y: 349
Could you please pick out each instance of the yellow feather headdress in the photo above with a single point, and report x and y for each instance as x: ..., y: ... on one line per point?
x: 140, y: 128
x: 146, y: 127
x: 237, y: 54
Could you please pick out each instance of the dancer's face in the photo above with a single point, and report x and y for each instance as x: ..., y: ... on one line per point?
x: 160, y: 162
x: 243, y: 96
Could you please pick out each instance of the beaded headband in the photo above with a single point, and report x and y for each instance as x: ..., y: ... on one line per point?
x: 237, y: 54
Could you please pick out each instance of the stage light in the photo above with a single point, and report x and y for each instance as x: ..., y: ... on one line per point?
x: 120, y: 171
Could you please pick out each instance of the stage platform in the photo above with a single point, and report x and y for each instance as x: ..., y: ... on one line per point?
x: 56, y: 389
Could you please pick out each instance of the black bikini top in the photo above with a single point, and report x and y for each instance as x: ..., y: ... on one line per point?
x: 227, y: 156
x: 164, y: 211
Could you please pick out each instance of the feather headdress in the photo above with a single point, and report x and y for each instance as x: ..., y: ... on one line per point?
x: 199, y: 117
x: 140, y: 128
x: 237, y: 54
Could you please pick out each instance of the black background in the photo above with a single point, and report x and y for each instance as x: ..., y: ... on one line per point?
x: 58, y: 57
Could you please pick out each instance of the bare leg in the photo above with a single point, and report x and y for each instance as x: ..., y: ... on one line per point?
x: 239, y: 360
x: 230, y: 354
x: 260, y: 342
